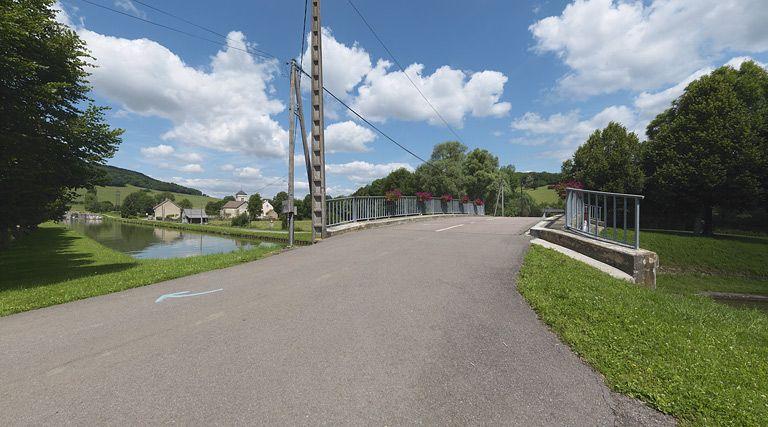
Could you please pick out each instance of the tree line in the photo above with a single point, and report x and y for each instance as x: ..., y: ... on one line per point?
x: 706, y: 155
x: 455, y: 171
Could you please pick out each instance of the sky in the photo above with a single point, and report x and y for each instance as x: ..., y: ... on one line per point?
x: 526, y: 80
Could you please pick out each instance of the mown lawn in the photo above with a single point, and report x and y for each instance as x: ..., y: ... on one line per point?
x: 544, y: 194
x: 54, y: 265
x: 701, y: 361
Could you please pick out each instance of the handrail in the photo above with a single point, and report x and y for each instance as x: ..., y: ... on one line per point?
x: 344, y: 210
x: 594, y: 219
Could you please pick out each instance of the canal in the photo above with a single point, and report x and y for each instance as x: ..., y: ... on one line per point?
x: 148, y: 242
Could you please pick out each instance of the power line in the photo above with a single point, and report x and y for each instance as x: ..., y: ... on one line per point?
x: 271, y: 56
x: 202, y: 27
x: 352, y: 110
x: 256, y: 52
x: 303, y: 31
x: 392, y: 56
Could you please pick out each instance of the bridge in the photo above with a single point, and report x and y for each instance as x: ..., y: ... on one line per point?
x: 414, y: 323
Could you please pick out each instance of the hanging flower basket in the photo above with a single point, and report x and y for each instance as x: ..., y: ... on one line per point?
x: 478, y: 202
x: 562, y: 185
x: 464, y: 199
x: 446, y: 198
x: 423, y: 196
x: 393, y: 195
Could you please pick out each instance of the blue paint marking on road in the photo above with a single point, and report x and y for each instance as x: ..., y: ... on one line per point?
x: 183, y: 294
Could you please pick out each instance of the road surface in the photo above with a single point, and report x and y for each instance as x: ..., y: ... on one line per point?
x: 416, y: 323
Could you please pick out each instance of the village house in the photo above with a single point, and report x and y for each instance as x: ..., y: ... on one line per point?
x: 267, y: 210
x: 167, y: 210
x: 235, y: 207
x: 194, y: 216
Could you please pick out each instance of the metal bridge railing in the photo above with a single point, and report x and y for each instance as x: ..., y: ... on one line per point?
x: 363, y: 208
x: 597, y: 214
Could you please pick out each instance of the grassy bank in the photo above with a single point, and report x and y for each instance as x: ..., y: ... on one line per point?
x: 691, y: 264
x: 544, y: 194
x: 701, y: 361
x: 54, y: 265
x: 304, y: 225
x: 251, y: 233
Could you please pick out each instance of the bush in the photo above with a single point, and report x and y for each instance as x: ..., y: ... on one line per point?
x: 241, y: 220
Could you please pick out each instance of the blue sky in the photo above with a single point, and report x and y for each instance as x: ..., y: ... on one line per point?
x: 526, y: 80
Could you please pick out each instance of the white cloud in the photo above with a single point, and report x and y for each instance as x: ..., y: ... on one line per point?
x: 343, y: 66
x: 455, y: 94
x: 159, y: 150
x: 614, y: 45
x: 248, y: 172
x: 381, y: 94
x: 220, y: 187
x: 228, y: 108
x: 227, y: 167
x: 128, y: 6
x: 556, y: 123
x: 360, y: 172
x: 191, y: 168
x: 347, y: 137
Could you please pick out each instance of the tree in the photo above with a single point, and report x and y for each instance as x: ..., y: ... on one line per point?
x: 710, y: 148
x: 137, y: 203
x: 304, y: 207
x: 228, y: 199
x: 52, y: 136
x: 255, y: 206
x: 608, y: 161
x: 90, y: 202
x: 277, y: 201
x: 481, y: 174
x: 185, y: 204
x: 160, y: 197
x: 402, y: 179
x: 214, y: 208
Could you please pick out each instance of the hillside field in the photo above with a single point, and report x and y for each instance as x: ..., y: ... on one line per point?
x: 110, y: 193
x: 544, y: 195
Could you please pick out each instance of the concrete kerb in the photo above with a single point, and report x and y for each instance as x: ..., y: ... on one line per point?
x: 640, y: 264
x: 364, y: 225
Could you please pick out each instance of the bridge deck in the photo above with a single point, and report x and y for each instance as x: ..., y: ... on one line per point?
x: 416, y: 322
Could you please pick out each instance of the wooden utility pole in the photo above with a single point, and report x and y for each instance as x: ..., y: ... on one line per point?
x: 317, y: 183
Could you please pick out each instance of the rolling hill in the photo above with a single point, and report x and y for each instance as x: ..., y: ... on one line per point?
x: 119, y: 177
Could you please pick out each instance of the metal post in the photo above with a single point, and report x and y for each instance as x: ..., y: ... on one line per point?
x: 637, y: 223
x: 605, y: 214
x: 317, y: 185
x: 502, y: 198
x: 615, y: 232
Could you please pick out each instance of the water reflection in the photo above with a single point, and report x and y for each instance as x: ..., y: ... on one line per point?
x: 145, y: 242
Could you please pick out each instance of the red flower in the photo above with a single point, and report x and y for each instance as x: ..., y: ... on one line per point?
x: 393, y: 195
x: 446, y: 198
x: 479, y: 202
x: 424, y: 196
x: 465, y: 199
x: 562, y: 185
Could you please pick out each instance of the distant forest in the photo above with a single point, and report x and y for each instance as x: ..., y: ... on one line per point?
x: 540, y: 178
x: 120, y: 177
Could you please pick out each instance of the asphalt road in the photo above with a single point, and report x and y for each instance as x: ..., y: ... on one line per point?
x: 416, y: 323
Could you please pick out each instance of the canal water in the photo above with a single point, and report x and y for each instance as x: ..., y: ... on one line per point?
x: 147, y: 242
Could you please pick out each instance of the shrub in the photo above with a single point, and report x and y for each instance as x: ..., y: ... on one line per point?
x: 562, y: 185
x: 241, y: 220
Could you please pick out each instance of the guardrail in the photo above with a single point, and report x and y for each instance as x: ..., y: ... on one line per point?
x: 363, y: 208
x: 596, y: 214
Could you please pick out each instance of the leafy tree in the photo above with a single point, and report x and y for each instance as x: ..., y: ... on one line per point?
x: 608, y: 161
x: 228, y: 199
x: 105, y: 206
x: 304, y: 207
x: 453, y: 151
x: 277, y: 201
x: 185, y: 204
x: 710, y: 148
x: 137, y: 203
x: 241, y: 220
x: 160, y: 197
x: 402, y: 179
x: 214, y: 208
x: 52, y: 136
x: 481, y: 173
x: 90, y: 202
x: 254, y: 206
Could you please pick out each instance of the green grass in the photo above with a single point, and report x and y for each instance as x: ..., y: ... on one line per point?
x: 300, y: 236
x: 544, y: 195
x: 703, y: 362
x: 54, y: 265
x: 110, y: 193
